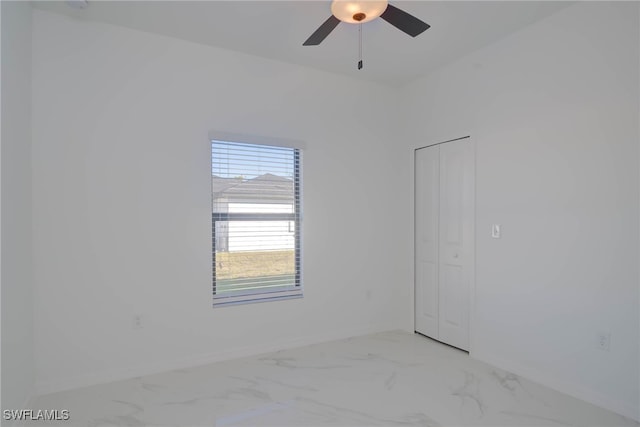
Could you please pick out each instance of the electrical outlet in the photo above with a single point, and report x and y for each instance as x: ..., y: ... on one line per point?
x: 603, y: 341
x: 137, y: 322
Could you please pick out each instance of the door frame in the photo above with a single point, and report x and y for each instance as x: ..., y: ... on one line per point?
x: 472, y: 264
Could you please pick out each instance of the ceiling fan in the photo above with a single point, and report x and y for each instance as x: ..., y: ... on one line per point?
x: 359, y: 12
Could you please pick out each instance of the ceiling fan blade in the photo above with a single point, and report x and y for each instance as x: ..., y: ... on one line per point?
x: 322, y: 32
x: 404, y: 21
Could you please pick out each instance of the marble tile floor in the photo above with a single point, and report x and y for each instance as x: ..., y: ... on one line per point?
x: 384, y: 379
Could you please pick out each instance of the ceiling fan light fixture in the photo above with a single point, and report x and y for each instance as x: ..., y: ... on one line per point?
x: 358, y: 12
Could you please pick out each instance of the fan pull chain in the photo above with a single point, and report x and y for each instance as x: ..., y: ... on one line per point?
x: 360, y: 47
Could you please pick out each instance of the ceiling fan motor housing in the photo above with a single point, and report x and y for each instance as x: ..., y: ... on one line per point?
x: 358, y: 12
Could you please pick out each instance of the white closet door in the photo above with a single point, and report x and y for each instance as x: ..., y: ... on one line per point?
x: 457, y: 185
x: 427, y: 196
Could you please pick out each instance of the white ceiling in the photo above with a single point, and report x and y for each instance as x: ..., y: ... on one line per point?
x: 277, y: 29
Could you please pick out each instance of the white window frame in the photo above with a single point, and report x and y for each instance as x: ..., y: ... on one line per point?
x: 294, y: 290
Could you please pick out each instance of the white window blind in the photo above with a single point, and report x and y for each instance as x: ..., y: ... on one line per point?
x: 256, y: 233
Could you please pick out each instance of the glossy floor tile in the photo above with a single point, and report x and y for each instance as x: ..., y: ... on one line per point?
x: 391, y: 378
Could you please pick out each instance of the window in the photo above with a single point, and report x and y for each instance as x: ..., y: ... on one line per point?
x: 255, y: 222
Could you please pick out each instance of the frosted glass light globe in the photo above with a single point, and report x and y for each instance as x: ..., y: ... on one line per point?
x: 353, y: 11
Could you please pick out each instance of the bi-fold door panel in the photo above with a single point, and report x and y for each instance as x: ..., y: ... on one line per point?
x: 456, y: 200
x: 427, y: 195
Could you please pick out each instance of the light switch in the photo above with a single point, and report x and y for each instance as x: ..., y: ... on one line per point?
x: 495, y: 231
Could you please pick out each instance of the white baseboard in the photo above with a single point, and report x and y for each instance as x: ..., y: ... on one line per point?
x: 574, y: 390
x: 63, y: 384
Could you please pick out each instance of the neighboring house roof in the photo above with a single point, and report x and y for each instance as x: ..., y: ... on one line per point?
x: 219, y: 184
x: 266, y: 188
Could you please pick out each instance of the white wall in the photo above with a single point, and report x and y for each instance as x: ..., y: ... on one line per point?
x: 121, y: 185
x: 17, y: 273
x: 553, y: 110
x: 121, y: 199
